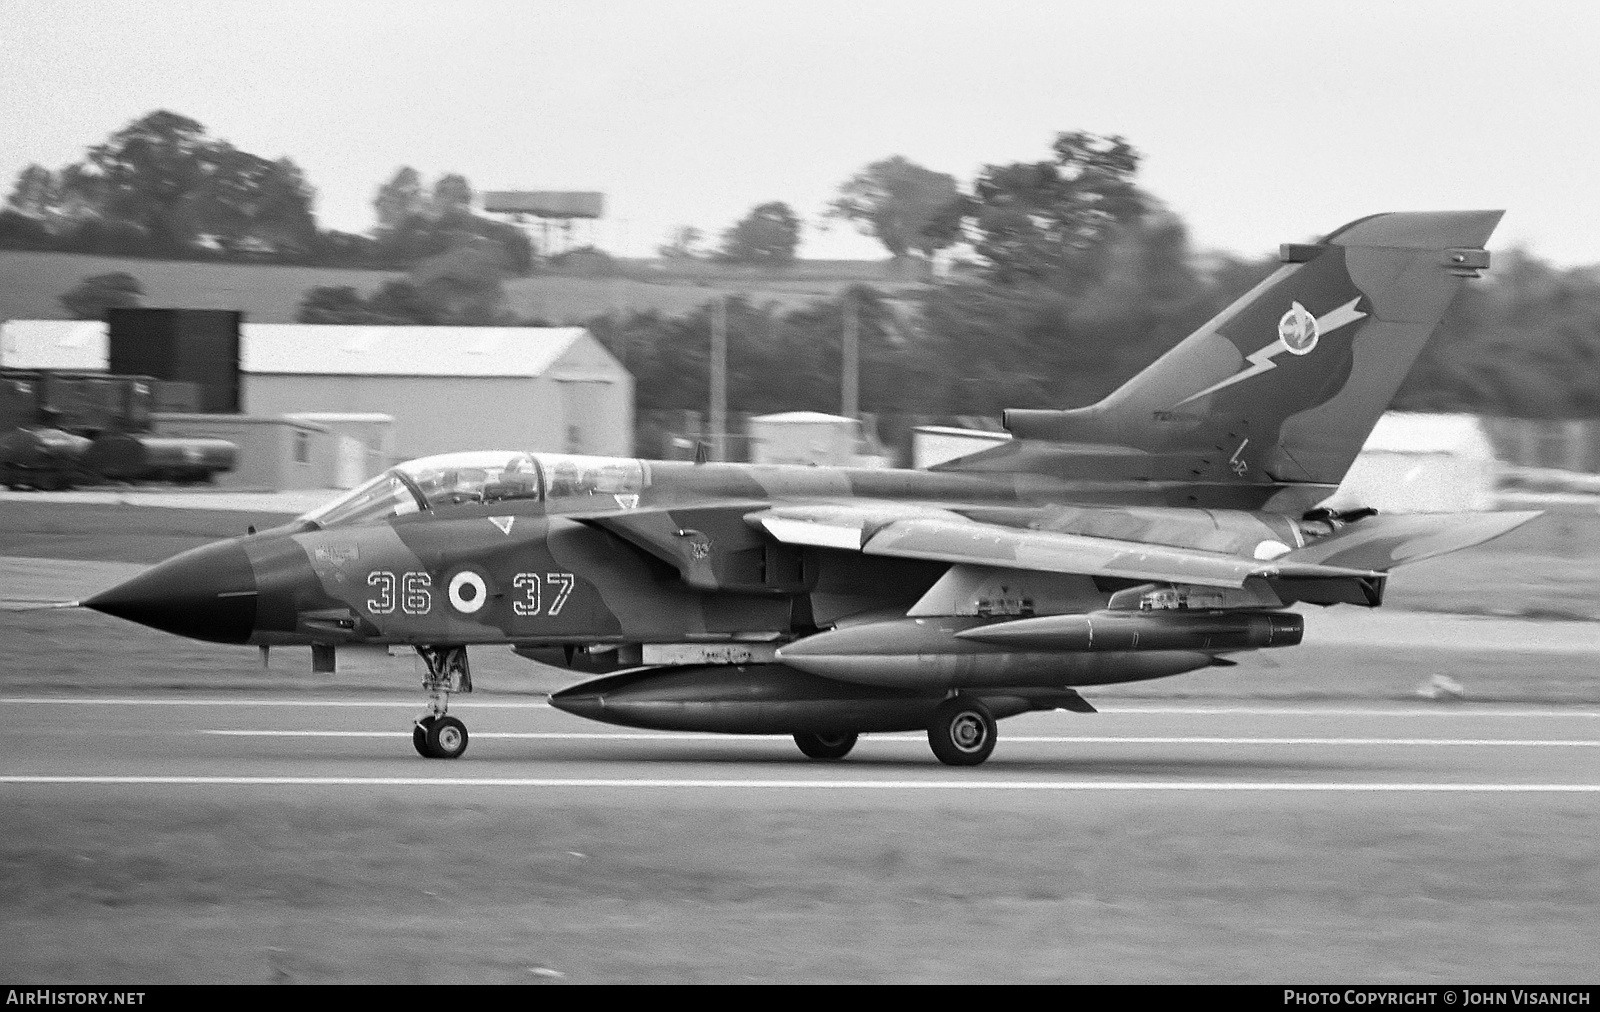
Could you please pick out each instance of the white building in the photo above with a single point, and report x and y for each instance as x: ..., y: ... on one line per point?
x: 61, y: 345
x: 447, y: 388
x: 811, y: 437
x: 1422, y: 463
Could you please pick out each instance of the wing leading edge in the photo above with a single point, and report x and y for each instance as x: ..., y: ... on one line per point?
x: 944, y: 536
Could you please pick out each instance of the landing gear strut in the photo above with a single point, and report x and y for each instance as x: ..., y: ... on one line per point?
x: 962, y: 732
x: 436, y: 734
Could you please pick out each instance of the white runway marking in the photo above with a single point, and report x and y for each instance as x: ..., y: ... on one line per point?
x: 303, y: 702
x: 1030, y: 739
x: 1444, y: 710
x: 840, y: 784
x: 1196, y: 740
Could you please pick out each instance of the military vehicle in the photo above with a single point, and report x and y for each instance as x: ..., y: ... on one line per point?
x: 1166, y: 529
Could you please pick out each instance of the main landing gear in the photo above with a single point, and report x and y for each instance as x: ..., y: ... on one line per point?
x: 436, y: 734
x: 826, y: 746
x: 962, y: 732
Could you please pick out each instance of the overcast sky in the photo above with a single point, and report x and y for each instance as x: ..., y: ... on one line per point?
x: 1259, y: 122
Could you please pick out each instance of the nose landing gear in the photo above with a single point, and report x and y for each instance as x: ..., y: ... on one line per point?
x: 436, y: 734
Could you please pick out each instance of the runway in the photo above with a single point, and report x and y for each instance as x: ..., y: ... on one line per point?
x: 519, y: 744
x: 217, y: 837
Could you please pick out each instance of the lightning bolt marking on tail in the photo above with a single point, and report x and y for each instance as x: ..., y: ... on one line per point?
x: 1262, y: 360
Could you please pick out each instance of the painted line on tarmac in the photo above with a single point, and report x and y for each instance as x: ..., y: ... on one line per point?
x: 842, y: 784
x: 904, y: 739
x: 303, y: 702
x: 1444, y: 710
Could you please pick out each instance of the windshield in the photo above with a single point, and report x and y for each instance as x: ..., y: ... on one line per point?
x: 432, y: 482
x: 383, y: 497
x: 485, y: 476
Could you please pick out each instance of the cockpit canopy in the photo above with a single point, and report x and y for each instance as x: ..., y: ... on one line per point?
x: 480, y: 476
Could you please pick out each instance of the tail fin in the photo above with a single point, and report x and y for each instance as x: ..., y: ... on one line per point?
x: 1285, y: 384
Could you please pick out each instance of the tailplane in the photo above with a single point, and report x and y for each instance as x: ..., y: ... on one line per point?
x: 1284, y: 385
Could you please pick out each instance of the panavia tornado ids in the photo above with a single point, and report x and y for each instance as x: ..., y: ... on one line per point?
x: 1168, y: 528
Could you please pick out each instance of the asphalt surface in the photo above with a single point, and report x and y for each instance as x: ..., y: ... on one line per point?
x: 198, y: 745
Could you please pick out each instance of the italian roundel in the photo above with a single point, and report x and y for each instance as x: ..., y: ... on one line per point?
x: 469, y: 589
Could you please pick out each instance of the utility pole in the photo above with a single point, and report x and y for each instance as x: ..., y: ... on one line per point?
x: 850, y: 366
x: 719, y: 378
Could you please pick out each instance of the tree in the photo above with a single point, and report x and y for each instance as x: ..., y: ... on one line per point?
x: 160, y: 185
x: 907, y: 207
x: 253, y: 205
x: 334, y: 304
x: 462, y: 286
x: 1047, y: 221
x: 768, y: 236
x: 399, y: 199
x: 452, y: 195
x: 90, y: 298
x: 684, y: 243
x: 284, y: 218
x: 1524, y: 342
x: 154, y: 171
x: 34, y: 194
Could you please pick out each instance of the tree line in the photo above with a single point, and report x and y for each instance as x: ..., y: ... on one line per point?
x: 163, y: 187
x: 1065, y: 277
x: 1074, y: 278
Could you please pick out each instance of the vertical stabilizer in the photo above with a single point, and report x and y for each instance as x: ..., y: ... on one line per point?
x: 1285, y: 384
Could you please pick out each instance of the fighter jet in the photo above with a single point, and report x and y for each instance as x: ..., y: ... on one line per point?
x: 1166, y: 529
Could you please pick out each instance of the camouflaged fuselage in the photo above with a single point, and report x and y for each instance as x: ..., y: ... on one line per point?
x: 676, y: 562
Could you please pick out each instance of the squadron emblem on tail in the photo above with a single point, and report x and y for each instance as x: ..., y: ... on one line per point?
x: 1298, y: 332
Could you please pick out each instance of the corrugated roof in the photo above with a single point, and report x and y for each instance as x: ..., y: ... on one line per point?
x: 331, y: 350
x: 70, y: 345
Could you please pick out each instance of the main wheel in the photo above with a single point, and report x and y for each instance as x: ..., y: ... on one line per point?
x: 419, y: 738
x: 826, y: 746
x: 962, y: 732
x: 447, y: 738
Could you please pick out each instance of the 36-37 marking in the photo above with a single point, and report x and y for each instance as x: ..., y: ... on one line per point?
x: 411, y: 593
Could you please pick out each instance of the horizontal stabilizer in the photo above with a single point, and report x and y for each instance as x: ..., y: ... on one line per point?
x: 1383, y: 542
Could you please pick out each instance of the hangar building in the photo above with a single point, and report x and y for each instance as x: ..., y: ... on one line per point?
x: 447, y: 388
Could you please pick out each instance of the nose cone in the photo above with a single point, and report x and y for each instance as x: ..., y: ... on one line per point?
x: 208, y: 593
x: 588, y: 704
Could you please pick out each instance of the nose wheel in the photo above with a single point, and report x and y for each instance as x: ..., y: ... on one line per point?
x: 437, y: 735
